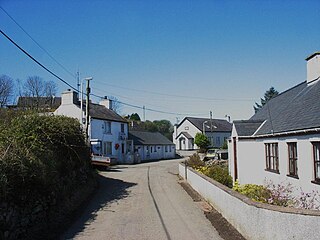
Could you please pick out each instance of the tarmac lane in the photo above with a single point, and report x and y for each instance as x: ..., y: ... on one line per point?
x: 144, y: 202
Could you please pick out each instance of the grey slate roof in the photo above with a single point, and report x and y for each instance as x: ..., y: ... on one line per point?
x: 297, y: 108
x: 247, y: 127
x: 148, y: 138
x: 221, y: 125
x: 101, y: 112
x: 187, y: 135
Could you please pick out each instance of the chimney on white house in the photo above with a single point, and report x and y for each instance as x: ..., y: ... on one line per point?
x: 313, y: 67
x: 106, y: 102
x: 69, y: 97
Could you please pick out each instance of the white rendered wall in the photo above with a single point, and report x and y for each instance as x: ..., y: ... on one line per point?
x: 251, y: 162
x: 255, y: 221
x: 188, y: 127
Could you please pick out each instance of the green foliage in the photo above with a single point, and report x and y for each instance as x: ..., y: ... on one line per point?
x: 257, y: 193
x: 202, y: 141
x: 267, y: 96
x: 225, y: 145
x: 134, y: 117
x: 41, y: 155
x: 195, y: 162
x: 219, y: 173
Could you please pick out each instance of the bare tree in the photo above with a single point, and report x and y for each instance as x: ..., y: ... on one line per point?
x: 34, y: 87
x: 50, y: 88
x: 116, y: 105
x: 6, y: 90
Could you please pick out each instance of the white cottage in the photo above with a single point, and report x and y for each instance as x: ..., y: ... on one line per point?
x: 152, y: 146
x: 217, y: 130
x: 108, y: 132
x: 281, y: 142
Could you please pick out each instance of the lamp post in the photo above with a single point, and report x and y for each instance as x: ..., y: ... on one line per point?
x: 203, y: 129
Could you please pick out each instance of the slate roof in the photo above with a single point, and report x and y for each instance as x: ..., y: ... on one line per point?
x: 220, y: 124
x: 148, y: 138
x: 297, y: 108
x: 39, y: 102
x: 247, y: 127
x: 101, y: 112
x: 187, y: 135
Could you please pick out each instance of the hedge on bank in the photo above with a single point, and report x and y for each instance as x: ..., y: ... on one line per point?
x: 40, y: 156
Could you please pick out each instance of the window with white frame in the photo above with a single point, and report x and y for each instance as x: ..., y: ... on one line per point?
x: 272, y: 157
x: 122, y: 127
x: 293, y: 159
x: 107, y: 127
x: 316, y: 161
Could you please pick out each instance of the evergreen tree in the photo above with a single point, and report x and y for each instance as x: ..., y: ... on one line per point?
x: 267, y: 96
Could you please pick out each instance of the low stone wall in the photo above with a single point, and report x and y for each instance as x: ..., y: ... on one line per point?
x: 256, y: 221
x: 44, y: 218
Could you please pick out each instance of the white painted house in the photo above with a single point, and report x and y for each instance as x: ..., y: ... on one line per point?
x: 108, y: 132
x: 281, y: 142
x: 152, y: 146
x: 217, y: 130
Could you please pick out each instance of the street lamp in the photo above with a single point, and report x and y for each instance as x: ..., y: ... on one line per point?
x: 203, y: 129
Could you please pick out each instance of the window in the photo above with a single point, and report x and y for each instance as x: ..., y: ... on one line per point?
x: 122, y: 148
x: 151, y: 149
x: 292, y: 153
x: 166, y: 148
x: 155, y: 148
x: 107, y: 148
x: 218, y: 141
x: 107, y: 127
x: 122, y: 127
x: 272, y: 157
x: 186, y: 128
x: 316, y: 161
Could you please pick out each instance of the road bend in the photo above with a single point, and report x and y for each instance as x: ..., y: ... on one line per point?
x: 142, y: 201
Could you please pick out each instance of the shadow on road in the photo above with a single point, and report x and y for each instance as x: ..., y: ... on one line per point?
x: 110, y: 190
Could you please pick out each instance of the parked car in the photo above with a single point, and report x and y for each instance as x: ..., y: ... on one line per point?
x: 222, y: 154
x: 210, y: 154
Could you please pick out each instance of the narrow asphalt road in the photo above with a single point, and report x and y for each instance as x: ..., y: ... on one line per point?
x: 142, y: 201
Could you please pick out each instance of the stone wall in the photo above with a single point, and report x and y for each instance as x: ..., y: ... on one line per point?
x: 44, y: 218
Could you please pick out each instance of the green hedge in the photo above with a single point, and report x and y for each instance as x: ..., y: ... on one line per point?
x: 40, y: 156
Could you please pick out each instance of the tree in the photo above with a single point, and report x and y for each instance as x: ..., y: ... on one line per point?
x: 116, y: 105
x: 50, y: 88
x: 6, y: 90
x: 164, y: 127
x: 201, y: 141
x: 134, y: 117
x: 34, y: 87
x: 271, y: 93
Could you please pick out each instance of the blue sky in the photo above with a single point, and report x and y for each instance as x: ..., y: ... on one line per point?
x: 175, y: 56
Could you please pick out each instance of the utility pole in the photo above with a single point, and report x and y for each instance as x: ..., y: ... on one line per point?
x: 87, y: 108
x: 144, y: 113
x: 211, y: 121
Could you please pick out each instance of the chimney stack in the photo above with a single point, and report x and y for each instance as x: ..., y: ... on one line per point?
x: 313, y: 67
x: 106, y: 102
x: 69, y: 97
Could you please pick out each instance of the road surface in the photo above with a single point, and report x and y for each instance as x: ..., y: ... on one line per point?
x: 142, y: 201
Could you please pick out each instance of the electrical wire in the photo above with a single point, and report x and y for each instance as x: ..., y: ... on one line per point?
x: 36, y: 61
x: 73, y: 75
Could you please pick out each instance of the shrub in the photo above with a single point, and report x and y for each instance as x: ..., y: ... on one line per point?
x: 41, y: 156
x: 195, y: 162
x: 218, y: 173
x: 202, y: 141
x: 280, y: 194
x: 255, y: 192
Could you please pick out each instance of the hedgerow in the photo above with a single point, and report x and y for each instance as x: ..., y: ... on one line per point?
x: 40, y: 156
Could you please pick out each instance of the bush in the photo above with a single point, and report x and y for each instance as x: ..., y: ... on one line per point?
x: 195, y: 162
x: 218, y: 173
x: 41, y: 156
x: 257, y: 193
x: 202, y: 141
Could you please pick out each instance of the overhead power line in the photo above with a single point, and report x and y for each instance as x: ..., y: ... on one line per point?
x: 178, y: 96
x: 37, y: 62
x: 69, y: 85
x: 69, y: 72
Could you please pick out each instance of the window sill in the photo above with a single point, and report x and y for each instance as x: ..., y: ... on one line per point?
x: 316, y: 182
x: 293, y: 176
x: 272, y: 171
